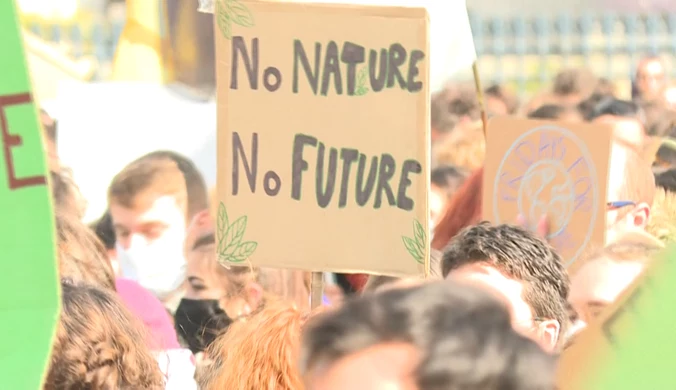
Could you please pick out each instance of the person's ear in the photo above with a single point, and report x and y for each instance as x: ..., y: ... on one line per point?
x: 254, y: 296
x: 548, y: 333
x: 640, y: 216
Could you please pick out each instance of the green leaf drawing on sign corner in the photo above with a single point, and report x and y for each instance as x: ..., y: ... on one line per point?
x: 229, y: 12
x: 230, y: 247
x: 361, y: 88
x: 222, y: 224
x: 416, y: 245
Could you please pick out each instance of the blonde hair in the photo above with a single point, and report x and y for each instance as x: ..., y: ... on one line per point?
x: 259, y: 353
x: 99, y: 345
x: 662, y: 222
x: 146, y: 179
x: 464, y: 148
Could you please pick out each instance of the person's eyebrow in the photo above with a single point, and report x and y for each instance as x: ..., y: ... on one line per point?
x: 193, y: 279
x: 204, y: 240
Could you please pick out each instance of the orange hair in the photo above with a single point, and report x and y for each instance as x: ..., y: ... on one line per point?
x: 464, y: 209
x: 259, y: 353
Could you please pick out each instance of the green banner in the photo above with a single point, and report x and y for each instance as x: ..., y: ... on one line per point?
x: 29, y: 299
x: 642, y: 333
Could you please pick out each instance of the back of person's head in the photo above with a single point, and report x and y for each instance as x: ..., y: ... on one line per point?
x: 556, y: 112
x: 574, y: 85
x: 463, y: 209
x: 198, y: 197
x: 99, y: 345
x: 452, y: 105
x: 455, y: 337
x: 666, y: 154
x: 504, y: 96
x: 448, y: 178
x: 617, y: 108
x: 519, y: 254
x: 465, y: 148
x: 666, y: 180
x: 80, y: 254
x: 259, y: 353
x: 66, y: 194
x: 143, y: 181
x: 104, y: 230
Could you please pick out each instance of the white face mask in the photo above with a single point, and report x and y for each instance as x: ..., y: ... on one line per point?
x: 160, y: 266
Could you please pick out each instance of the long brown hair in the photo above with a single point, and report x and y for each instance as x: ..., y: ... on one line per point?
x: 259, y: 353
x: 463, y: 210
x: 99, y: 345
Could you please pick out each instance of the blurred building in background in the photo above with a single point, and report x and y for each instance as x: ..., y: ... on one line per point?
x: 521, y: 42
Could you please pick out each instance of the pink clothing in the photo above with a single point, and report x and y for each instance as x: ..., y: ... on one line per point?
x: 151, y: 311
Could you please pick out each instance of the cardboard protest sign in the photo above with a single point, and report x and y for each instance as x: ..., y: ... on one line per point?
x: 28, y: 273
x: 451, y: 42
x: 323, y: 136
x: 537, y: 168
x: 628, y: 346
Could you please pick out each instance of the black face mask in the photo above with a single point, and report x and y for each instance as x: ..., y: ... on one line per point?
x: 199, y: 321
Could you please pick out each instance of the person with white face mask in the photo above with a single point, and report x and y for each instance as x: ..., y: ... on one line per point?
x: 148, y: 203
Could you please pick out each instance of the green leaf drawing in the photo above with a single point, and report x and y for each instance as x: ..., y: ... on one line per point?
x: 234, y: 234
x: 420, y: 237
x: 361, y: 88
x: 417, y: 245
x: 222, y: 225
x: 229, y: 236
x: 243, y: 251
x: 229, y: 12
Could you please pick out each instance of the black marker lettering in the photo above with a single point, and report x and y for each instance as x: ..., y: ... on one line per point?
x: 352, y: 55
x: 409, y: 166
x: 348, y: 156
x: 385, y: 173
x: 300, y: 55
x: 271, y: 71
x: 325, y: 193
x: 396, y: 58
x: 250, y: 170
x: 250, y: 63
x: 364, y: 190
x: 269, y: 188
x: 379, y: 67
x: 331, y: 67
x: 413, y: 71
x: 298, y: 165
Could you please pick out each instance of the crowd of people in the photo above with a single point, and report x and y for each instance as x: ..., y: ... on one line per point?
x: 146, y: 305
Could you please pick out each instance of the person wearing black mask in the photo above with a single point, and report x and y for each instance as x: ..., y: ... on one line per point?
x: 215, y: 296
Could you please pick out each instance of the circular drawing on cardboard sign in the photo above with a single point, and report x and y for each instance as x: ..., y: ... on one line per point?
x: 549, y: 171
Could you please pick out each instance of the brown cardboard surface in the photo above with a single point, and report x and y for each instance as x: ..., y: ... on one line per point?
x: 536, y: 168
x: 291, y: 134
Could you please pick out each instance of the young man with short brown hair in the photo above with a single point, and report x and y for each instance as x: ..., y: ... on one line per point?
x: 148, y: 203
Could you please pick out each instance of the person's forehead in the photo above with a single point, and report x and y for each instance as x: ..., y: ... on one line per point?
x: 603, y: 280
x: 507, y: 289
x: 387, y: 366
x: 163, y: 209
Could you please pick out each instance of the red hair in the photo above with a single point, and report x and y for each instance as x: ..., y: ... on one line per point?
x: 464, y: 209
